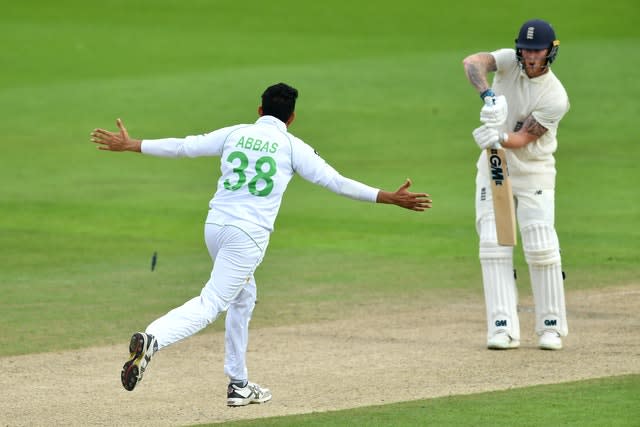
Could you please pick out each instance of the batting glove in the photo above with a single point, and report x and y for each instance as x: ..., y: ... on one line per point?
x: 488, y: 137
x: 495, y: 110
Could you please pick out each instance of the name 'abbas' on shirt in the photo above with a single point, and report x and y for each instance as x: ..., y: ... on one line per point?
x: 257, y: 163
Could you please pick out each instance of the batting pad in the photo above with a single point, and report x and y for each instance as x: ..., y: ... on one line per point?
x: 542, y: 251
x: 500, y: 292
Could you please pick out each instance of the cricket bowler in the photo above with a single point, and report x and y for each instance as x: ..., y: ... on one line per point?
x: 257, y: 162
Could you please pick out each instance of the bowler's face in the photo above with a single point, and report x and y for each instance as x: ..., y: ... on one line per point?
x: 534, y: 61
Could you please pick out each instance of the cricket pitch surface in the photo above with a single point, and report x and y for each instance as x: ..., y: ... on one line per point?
x: 414, y: 350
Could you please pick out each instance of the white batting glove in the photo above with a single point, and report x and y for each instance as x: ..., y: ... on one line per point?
x: 488, y: 137
x: 495, y: 110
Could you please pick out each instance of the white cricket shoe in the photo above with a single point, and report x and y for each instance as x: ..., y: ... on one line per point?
x: 550, y: 340
x: 502, y: 341
x: 251, y: 393
x: 141, y: 349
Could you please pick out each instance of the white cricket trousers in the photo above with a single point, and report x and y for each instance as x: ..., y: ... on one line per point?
x: 236, y: 253
x: 535, y: 210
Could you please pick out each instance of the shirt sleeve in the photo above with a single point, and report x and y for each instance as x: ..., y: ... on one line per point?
x: 553, y: 110
x: 209, y: 144
x: 505, y: 58
x: 313, y: 168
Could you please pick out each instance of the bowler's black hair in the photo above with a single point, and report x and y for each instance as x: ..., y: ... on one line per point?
x: 279, y: 101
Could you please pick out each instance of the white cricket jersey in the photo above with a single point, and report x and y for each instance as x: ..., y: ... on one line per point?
x: 545, y: 98
x: 257, y: 162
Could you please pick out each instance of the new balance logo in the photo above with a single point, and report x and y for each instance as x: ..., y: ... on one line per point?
x: 518, y: 126
x: 501, y: 323
x: 550, y: 322
x: 530, y: 31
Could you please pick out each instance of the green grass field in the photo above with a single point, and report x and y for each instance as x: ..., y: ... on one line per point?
x: 609, y: 401
x: 383, y: 97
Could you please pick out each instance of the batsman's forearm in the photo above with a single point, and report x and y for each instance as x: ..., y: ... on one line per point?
x: 477, y: 67
x: 477, y: 77
x: 517, y: 139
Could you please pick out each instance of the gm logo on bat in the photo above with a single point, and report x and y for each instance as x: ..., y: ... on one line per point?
x: 497, y: 171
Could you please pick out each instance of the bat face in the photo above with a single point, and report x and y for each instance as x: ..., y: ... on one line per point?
x: 497, y: 167
x: 502, y: 194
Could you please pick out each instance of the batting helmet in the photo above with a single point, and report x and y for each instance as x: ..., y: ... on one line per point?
x: 537, y: 34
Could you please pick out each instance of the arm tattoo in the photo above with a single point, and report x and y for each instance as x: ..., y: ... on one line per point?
x: 477, y: 67
x: 477, y: 77
x: 532, y: 126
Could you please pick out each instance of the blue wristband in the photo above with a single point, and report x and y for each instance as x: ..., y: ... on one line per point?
x: 486, y: 93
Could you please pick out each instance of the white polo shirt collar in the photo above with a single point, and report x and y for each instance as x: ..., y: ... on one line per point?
x: 270, y: 120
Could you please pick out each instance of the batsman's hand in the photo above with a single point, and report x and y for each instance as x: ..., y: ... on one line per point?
x: 405, y: 199
x: 488, y: 137
x: 115, y: 141
x: 495, y: 110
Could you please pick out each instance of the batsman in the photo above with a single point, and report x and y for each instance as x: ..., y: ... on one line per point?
x: 521, y: 111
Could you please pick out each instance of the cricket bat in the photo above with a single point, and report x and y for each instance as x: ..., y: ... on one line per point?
x: 502, y: 194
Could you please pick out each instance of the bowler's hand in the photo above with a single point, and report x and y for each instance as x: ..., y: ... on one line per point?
x: 115, y: 141
x: 405, y: 199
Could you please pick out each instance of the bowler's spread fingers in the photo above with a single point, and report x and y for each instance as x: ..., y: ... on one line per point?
x: 102, y: 132
x: 421, y: 207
